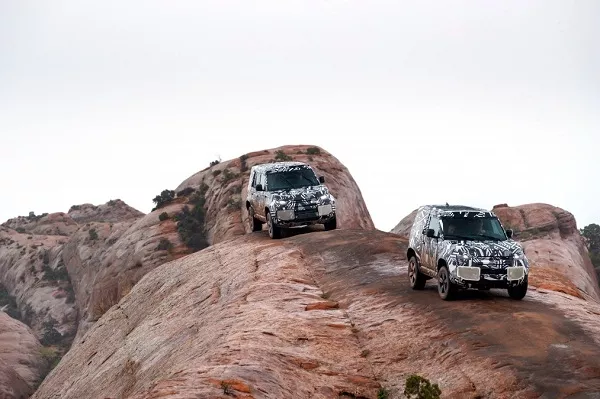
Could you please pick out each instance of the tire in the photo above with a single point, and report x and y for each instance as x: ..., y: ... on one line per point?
x: 446, y: 289
x: 274, y: 231
x: 331, y: 225
x: 415, y: 277
x: 255, y: 224
x: 518, y: 292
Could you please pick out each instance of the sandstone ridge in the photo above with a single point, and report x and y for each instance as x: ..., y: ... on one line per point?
x: 257, y: 318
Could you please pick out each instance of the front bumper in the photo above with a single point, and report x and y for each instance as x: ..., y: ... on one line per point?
x: 488, y: 276
x: 304, y: 214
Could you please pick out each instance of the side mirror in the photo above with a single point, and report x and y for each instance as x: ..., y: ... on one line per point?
x: 322, y: 179
x: 259, y: 187
x: 431, y: 233
x: 509, y: 233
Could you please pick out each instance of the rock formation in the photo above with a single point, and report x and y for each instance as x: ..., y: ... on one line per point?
x: 21, y: 359
x: 554, y: 246
x: 257, y: 318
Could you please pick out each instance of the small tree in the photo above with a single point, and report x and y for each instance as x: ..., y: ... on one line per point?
x: 421, y: 388
x: 164, y: 198
x: 282, y: 156
x: 93, y: 234
x: 163, y: 216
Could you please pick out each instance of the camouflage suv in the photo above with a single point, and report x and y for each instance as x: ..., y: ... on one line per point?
x: 288, y: 194
x: 464, y: 247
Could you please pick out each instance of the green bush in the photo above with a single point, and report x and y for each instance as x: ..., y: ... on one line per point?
x: 185, y: 192
x: 313, y: 151
x: 93, y: 234
x: 163, y: 216
x: 215, y: 162
x: 51, y: 335
x: 421, y: 388
x: 216, y: 172
x: 282, y: 156
x: 191, y: 222
x: 228, y: 176
x: 164, y: 245
x: 10, y: 302
x: 60, y: 274
x: 164, y: 198
x: 243, y: 165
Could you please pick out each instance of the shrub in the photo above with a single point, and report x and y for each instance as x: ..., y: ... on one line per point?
x: 20, y: 230
x: 421, y: 388
x: 60, y: 274
x: 93, y: 234
x: 163, y: 216
x: 164, y: 198
x: 51, y: 335
x: 215, y: 162
x: 190, y: 222
x: 75, y: 208
x: 234, y: 203
x: 164, y: 245
x: 10, y: 302
x: 185, y: 192
x: 228, y: 176
x: 243, y: 165
x: 282, y: 156
x: 313, y: 151
x: 111, y: 203
x: 216, y: 173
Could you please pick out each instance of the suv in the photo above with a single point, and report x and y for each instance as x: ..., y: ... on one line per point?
x: 288, y: 194
x: 464, y: 247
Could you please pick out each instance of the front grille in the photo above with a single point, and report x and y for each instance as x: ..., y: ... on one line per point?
x: 305, y: 211
x: 494, y: 272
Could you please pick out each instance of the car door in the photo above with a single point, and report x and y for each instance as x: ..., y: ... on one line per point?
x: 261, y: 195
x: 430, y: 244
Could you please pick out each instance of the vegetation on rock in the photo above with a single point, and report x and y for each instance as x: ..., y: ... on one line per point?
x: 591, y: 233
x: 191, y: 222
x: 421, y: 388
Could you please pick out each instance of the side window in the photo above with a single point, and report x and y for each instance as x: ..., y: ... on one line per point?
x: 253, y: 184
x: 262, y: 180
x: 434, y: 223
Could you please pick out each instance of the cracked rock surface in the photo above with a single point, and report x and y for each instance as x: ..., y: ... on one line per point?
x: 323, y: 315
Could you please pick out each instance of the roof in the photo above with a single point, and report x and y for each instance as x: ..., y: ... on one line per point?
x: 279, y: 166
x: 458, y: 208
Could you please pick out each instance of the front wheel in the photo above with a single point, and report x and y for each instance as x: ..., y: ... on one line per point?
x: 274, y: 231
x: 415, y: 277
x: 446, y: 288
x: 331, y: 225
x: 518, y: 292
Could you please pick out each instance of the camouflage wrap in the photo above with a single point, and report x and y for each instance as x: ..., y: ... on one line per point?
x: 293, y: 206
x: 491, y: 256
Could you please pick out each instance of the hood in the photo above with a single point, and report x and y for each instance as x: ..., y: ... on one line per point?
x: 491, y: 249
x: 285, y: 199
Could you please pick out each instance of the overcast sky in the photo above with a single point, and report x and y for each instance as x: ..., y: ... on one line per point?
x: 472, y: 102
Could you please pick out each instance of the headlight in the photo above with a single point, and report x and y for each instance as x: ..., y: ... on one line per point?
x: 324, y: 197
x: 519, y: 256
x: 281, y: 202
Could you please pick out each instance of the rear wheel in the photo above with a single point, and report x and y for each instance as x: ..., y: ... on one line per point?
x: 274, y: 231
x: 331, y: 225
x: 255, y: 224
x: 415, y: 277
x: 446, y: 288
x: 518, y: 292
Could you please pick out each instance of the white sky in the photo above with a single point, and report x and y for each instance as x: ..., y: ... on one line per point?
x: 472, y: 102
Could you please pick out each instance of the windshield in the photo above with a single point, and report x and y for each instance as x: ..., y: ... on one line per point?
x: 291, y: 179
x: 473, y: 228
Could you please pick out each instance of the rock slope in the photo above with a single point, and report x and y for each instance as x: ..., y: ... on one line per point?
x: 554, y: 247
x: 257, y: 318
x: 21, y: 360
